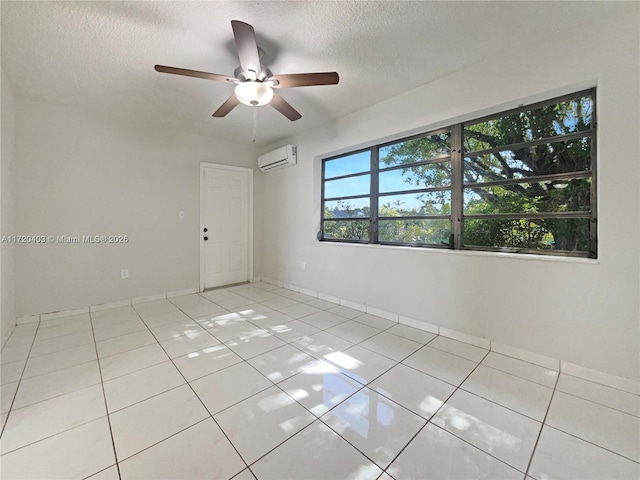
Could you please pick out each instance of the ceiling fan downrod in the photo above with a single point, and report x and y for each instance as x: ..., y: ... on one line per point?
x: 255, y: 122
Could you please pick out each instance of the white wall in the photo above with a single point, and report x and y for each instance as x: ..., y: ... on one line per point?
x: 81, y: 174
x: 7, y: 314
x: 582, y: 312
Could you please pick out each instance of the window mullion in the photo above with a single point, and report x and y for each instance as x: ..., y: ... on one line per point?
x: 456, y: 185
x: 593, y: 230
x: 321, y: 231
x: 373, y: 214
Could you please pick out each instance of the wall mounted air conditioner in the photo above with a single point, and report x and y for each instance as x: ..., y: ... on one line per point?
x: 280, y: 158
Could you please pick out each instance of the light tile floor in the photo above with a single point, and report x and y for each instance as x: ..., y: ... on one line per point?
x: 256, y: 381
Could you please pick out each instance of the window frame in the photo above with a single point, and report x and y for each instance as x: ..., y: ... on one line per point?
x: 377, y: 194
x: 457, y: 185
x: 340, y: 177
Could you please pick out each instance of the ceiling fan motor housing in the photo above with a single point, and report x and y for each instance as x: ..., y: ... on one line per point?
x: 261, y: 76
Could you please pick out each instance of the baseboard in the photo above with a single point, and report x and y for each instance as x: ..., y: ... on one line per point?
x: 9, y: 336
x: 148, y: 298
x: 535, y: 358
x: 412, y: 322
x: 29, y: 319
x: 466, y: 338
x: 107, y: 306
x: 568, y: 368
x: 103, y: 306
x: 596, y: 376
x: 394, y: 317
x: 63, y: 313
x: 603, y: 378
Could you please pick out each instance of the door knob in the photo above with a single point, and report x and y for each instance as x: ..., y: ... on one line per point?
x: 206, y: 238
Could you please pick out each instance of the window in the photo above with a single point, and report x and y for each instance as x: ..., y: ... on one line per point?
x: 414, y: 190
x: 346, y: 197
x: 520, y: 181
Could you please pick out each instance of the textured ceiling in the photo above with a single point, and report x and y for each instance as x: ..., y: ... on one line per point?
x: 99, y: 56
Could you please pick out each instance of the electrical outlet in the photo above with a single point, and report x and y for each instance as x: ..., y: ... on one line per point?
x: 303, y: 266
x: 181, y: 215
x: 124, y: 273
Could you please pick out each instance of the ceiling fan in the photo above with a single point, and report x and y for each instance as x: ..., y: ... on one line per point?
x: 255, y: 82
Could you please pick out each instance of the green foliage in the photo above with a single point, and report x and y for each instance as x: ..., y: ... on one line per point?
x: 511, y: 157
x: 420, y: 232
x: 347, y: 229
x: 418, y: 150
x: 412, y: 230
x: 527, y: 161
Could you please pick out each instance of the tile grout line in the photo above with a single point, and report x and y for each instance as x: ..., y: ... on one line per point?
x: 56, y: 434
x: 60, y: 395
x: 262, y: 328
x: 353, y: 394
x: 291, y: 343
x: 598, y: 403
x: 362, y: 387
x: 24, y: 368
x: 246, y: 361
x: 197, y: 396
x: 429, y: 421
x: 301, y: 319
x: 521, y: 377
x: 242, y: 359
x: 521, y: 360
x: 277, y: 287
x: 88, y: 343
x: 316, y: 418
x: 60, y: 337
x: 129, y: 349
x: 459, y: 387
x: 591, y: 443
x: 477, y: 448
x: 149, y: 397
x: 348, y: 319
x: 101, y: 471
x: 601, y: 384
x: 544, y: 421
x: 104, y: 397
x: 151, y: 366
x: 161, y: 440
x: 13, y: 330
x: 499, y: 404
x: 559, y: 369
x: 319, y: 418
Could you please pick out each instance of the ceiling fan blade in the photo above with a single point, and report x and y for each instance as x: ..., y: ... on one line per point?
x: 305, y: 79
x: 194, y: 73
x: 247, y: 46
x: 231, y: 103
x: 284, y: 108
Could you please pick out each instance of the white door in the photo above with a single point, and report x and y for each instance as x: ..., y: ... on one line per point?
x: 225, y: 222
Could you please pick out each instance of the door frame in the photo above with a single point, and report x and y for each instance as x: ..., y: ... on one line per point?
x: 204, y: 165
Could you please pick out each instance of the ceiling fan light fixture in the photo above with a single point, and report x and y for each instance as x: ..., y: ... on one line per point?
x: 253, y: 93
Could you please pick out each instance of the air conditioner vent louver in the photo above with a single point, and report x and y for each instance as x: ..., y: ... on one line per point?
x: 280, y: 158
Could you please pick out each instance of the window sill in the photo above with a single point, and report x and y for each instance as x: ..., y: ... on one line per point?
x: 473, y: 253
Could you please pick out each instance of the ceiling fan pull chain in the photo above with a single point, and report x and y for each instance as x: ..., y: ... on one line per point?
x: 255, y: 122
